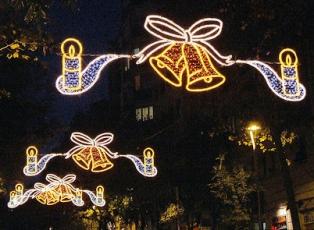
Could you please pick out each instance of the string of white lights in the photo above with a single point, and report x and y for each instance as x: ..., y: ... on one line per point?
x: 91, y: 155
x: 59, y: 190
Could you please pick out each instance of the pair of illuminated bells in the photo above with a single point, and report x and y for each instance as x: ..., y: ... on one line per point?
x: 180, y: 54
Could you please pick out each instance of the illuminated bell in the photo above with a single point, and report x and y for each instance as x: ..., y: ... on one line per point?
x: 92, y: 158
x: 190, y: 59
x: 201, y: 73
x: 65, y: 193
x: 170, y: 64
x: 48, y: 197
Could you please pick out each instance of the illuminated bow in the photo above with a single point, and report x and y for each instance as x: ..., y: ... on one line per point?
x: 200, y: 32
x: 68, y: 179
x: 83, y: 141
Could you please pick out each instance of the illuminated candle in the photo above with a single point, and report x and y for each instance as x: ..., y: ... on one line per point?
x: 149, y: 161
x: 78, y: 197
x: 12, y: 196
x: 31, y: 159
x: 100, y: 194
x: 71, y: 64
x: 19, y: 189
x: 289, y: 72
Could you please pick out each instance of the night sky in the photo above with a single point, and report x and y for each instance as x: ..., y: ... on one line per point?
x: 96, y: 24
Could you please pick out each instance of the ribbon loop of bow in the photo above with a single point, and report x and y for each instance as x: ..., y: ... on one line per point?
x: 84, y: 140
x: 168, y: 32
x: 68, y: 179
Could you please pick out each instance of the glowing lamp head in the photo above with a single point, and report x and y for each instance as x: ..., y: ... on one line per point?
x: 253, y: 127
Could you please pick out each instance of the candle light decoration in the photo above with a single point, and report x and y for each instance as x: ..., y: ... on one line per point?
x: 185, y: 53
x: 182, y: 56
x: 33, y: 166
x: 289, y: 72
x: 71, y: 64
x: 59, y: 190
x: 95, y: 156
x: 74, y: 80
x: 287, y: 86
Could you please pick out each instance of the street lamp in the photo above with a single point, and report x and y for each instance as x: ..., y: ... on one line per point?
x: 253, y: 128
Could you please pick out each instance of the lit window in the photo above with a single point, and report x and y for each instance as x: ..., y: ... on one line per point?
x: 138, y: 114
x: 144, y: 113
x: 127, y: 66
x: 151, y: 112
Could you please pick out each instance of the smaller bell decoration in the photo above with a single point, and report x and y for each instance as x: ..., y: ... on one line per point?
x: 59, y: 190
x: 92, y: 154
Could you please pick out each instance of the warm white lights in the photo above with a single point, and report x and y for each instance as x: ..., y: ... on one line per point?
x: 58, y: 190
x: 92, y: 155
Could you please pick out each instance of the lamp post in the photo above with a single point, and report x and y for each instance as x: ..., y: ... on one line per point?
x: 253, y: 128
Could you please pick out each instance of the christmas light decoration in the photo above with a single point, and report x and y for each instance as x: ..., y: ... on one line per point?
x: 58, y: 190
x: 180, y: 56
x: 73, y: 81
x: 185, y: 53
x: 289, y: 72
x: 287, y: 87
x: 33, y: 166
x: 91, y: 154
x: 71, y: 64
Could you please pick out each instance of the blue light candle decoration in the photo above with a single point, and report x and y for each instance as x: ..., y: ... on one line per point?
x: 289, y: 72
x: 72, y: 64
x: 149, y: 161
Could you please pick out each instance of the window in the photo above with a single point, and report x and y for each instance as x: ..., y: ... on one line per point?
x: 144, y: 113
x: 136, y: 50
x: 127, y: 65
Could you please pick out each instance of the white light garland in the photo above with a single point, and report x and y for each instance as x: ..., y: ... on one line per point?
x: 276, y: 84
x: 89, y: 76
x: 58, y: 190
x: 179, y: 53
x: 169, y: 32
x: 91, y: 154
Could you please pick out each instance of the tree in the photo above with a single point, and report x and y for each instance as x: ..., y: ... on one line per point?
x: 23, y: 29
x: 115, y: 213
x: 231, y: 190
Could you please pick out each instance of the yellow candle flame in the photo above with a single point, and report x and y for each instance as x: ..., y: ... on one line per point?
x: 71, y: 51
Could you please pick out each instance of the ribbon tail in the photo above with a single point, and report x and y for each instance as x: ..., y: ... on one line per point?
x: 98, y: 201
x: 147, y: 51
x: 274, y: 82
x: 77, y: 202
x: 111, y: 154
x: 140, y: 166
x: 90, y: 74
x: 221, y: 59
x: 33, y: 170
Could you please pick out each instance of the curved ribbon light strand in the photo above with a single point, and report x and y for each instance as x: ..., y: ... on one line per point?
x: 274, y: 82
x: 89, y: 75
x: 84, y: 155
